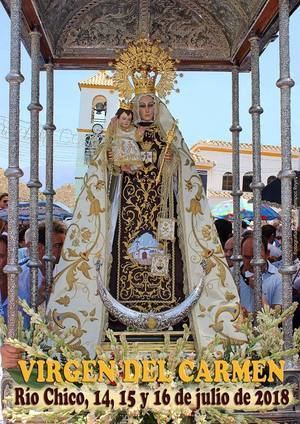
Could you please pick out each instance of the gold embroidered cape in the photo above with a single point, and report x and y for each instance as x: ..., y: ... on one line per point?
x: 74, y: 304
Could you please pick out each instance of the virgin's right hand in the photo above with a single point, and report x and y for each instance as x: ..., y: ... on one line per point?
x: 110, y: 156
x: 128, y: 169
x: 141, y: 131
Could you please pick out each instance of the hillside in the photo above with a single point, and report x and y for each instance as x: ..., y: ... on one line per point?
x: 64, y: 194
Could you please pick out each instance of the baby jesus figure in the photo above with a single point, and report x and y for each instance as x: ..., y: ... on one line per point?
x: 124, y: 135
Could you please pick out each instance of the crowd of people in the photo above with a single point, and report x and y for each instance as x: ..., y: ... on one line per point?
x: 272, y: 253
x: 9, y: 354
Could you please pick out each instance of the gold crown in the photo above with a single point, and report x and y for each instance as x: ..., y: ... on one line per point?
x: 144, y: 83
x: 144, y: 67
x: 126, y: 105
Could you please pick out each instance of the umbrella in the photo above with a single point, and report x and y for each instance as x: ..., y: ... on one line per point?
x: 225, y: 210
x: 60, y: 211
x: 272, y: 191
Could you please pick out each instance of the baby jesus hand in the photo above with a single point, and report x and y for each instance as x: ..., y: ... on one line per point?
x: 113, y: 123
x: 128, y: 169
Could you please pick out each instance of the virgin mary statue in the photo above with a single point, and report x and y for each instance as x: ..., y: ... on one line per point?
x: 144, y: 237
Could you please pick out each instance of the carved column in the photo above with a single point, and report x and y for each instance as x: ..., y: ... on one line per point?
x: 49, y: 192
x: 286, y: 174
x: 236, y: 192
x: 13, y: 172
x: 257, y: 185
x: 34, y: 183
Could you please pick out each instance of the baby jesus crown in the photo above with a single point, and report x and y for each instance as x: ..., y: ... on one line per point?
x: 144, y: 67
x: 126, y: 105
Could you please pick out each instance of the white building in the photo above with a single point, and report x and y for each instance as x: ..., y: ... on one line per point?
x: 214, y: 161
x: 98, y: 104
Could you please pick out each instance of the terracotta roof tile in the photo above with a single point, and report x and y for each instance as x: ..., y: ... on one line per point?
x: 101, y: 79
x: 243, y: 146
x: 222, y: 194
x: 201, y: 160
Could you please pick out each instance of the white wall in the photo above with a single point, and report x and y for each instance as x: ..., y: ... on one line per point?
x: 270, y: 165
x: 85, y: 112
x: 86, y: 100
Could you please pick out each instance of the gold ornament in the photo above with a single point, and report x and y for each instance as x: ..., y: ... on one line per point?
x: 126, y: 105
x: 144, y: 68
x: 152, y: 323
x: 144, y: 83
x: 169, y: 138
x: 160, y: 265
x: 166, y: 229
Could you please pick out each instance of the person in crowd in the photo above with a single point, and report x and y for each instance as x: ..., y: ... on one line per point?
x: 21, y: 237
x: 269, y: 232
x: 271, y: 178
x: 247, y: 233
x: 271, y: 279
x: 278, y: 226
x: 3, y: 200
x: 296, y: 279
x: 23, y: 252
x: 3, y: 227
x: 58, y: 237
x: 3, y: 262
x: 23, y: 285
x: 296, y: 298
x: 228, y: 251
x: 224, y: 229
x: 245, y: 227
x: 9, y: 354
x: 24, y: 281
x: 24, y: 240
x: 22, y: 230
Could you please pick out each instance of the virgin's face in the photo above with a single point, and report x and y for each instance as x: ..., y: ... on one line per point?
x: 146, y: 108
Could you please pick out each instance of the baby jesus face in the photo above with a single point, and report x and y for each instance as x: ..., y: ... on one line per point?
x: 125, y: 120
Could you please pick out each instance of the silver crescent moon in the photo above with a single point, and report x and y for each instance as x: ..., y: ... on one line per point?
x: 149, y: 320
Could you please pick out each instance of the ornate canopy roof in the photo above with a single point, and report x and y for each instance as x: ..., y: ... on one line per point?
x: 204, y: 34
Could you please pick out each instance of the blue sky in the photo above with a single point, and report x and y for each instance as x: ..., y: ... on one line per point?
x: 203, y: 106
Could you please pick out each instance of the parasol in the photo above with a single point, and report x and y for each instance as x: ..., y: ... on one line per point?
x: 60, y: 211
x: 225, y: 210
